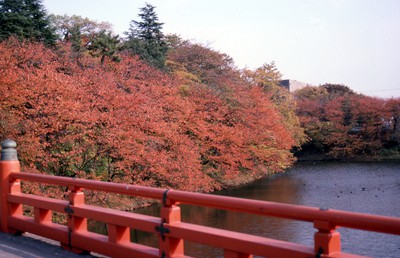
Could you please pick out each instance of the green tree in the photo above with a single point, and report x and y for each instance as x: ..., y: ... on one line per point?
x: 104, y: 45
x: 25, y: 19
x: 146, y: 39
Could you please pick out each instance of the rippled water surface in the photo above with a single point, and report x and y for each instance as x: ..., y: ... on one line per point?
x: 359, y: 187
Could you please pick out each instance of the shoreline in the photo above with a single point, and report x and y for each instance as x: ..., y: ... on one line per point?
x: 322, y: 158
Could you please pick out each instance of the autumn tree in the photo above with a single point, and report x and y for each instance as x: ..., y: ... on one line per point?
x: 112, y: 122
x: 25, y: 19
x: 311, y: 103
x: 336, y: 90
x: 198, y: 63
x: 393, y: 107
x: 145, y: 38
x: 128, y: 122
x: 344, y: 124
x: 268, y: 78
x: 86, y: 36
x: 236, y: 117
x: 65, y: 26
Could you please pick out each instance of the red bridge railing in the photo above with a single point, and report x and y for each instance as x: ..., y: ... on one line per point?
x: 171, y: 230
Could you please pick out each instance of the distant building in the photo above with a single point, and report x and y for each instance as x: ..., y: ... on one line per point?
x: 292, y: 85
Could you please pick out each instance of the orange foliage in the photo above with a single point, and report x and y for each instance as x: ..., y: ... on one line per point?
x: 127, y: 122
x: 343, y: 124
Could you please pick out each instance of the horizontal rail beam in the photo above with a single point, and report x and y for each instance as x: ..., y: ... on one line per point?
x: 99, y: 243
x: 49, y: 230
x: 238, y: 242
x: 245, y: 243
x: 383, y: 224
x: 131, y: 190
x: 38, y: 202
x: 121, y: 218
x: 109, y: 216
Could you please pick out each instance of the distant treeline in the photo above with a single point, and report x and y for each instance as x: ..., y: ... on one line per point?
x: 344, y: 125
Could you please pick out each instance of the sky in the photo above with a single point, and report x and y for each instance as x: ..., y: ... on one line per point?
x: 351, y: 42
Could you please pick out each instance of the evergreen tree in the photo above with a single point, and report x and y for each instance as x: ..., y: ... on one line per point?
x: 104, y: 45
x: 25, y: 19
x: 146, y: 39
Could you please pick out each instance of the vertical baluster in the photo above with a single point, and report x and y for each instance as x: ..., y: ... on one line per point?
x: 75, y: 224
x: 170, y: 214
x: 118, y: 234
x: 327, y: 239
x: 42, y: 215
x: 15, y: 208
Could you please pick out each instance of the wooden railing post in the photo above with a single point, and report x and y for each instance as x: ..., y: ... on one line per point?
x: 327, y: 239
x: 75, y: 223
x: 170, y: 214
x: 118, y: 234
x: 9, y: 163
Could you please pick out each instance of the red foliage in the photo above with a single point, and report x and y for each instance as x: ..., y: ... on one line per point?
x: 127, y: 122
x: 344, y: 124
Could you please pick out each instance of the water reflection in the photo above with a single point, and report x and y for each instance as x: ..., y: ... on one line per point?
x: 360, y: 187
x: 276, y: 188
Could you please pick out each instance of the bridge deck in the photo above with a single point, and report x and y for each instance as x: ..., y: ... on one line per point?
x: 32, y: 246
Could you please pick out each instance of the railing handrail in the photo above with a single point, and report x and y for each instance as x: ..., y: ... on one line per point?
x: 171, y: 230
x: 376, y: 223
x: 111, y: 187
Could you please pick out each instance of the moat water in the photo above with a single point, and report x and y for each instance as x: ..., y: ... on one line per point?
x: 360, y: 187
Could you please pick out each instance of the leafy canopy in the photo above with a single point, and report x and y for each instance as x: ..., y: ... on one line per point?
x: 343, y: 124
x: 87, y: 36
x: 25, y: 19
x: 146, y: 39
x: 129, y: 122
x: 65, y: 25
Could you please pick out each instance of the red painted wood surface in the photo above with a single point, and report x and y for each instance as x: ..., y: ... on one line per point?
x: 172, y: 232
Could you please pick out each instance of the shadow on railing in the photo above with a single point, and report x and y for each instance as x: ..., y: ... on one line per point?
x: 171, y: 231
